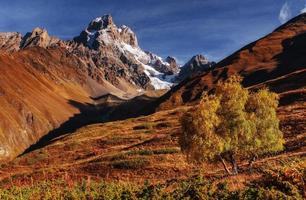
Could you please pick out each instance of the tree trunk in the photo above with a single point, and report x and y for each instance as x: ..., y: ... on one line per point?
x: 224, y: 165
x: 234, y: 164
x: 251, y: 161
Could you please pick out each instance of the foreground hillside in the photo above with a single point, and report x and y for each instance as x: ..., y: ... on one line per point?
x: 140, y: 149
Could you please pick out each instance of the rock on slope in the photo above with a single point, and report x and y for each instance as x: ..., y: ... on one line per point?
x: 276, y: 60
x: 10, y: 41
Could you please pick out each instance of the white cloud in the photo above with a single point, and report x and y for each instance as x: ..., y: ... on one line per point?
x: 304, y: 9
x: 285, y: 13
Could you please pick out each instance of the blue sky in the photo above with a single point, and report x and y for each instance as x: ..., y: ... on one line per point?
x: 180, y: 28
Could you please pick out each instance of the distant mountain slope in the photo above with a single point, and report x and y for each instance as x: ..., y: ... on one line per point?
x: 277, y: 60
x: 39, y: 90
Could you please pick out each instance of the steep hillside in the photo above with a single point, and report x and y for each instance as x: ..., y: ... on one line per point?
x: 39, y: 90
x: 276, y: 60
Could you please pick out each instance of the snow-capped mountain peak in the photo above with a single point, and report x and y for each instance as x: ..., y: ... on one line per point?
x: 103, y: 35
x: 110, y: 52
x: 101, y: 23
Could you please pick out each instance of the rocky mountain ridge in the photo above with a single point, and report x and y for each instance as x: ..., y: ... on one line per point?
x: 108, y: 50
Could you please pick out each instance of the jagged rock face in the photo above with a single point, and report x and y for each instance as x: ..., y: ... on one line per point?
x: 167, y: 67
x: 128, y: 36
x: 116, y: 51
x: 194, y: 66
x: 102, y: 32
x: 172, y: 63
x: 111, y: 53
x: 38, y: 37
x: 10, y: 41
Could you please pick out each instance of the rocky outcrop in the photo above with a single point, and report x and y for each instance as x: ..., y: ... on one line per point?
x: 167, y: 67
x: 102, y: 32
x: 38, y: 37
x: 13, y: 41
x: 196, y: 65
x: 10, y: 41
x: 173, y: 65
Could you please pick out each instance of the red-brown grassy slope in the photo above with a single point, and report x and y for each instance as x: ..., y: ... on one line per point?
x: 139, y: 149
x: 39, y: 90
x: 277, y: 60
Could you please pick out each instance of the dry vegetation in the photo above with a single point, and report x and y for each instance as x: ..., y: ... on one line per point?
x: 141, y: 149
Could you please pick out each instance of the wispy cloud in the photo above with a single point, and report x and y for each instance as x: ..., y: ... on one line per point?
x: 285, y: 13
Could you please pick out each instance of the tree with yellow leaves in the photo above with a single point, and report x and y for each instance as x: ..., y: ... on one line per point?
x: 233, y: 122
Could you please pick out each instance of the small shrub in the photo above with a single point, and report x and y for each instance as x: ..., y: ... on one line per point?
x: 148, y: 131
x: 166, y: 151
x: 146, y: 125
x: 137, y: 163
x: 119, y: 156
x: 140, y: 152
x: 163, y: 125
x: 37, y: 157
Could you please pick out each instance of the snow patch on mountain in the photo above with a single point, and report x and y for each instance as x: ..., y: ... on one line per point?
x: 91, y: 37
x: 158, y: 79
